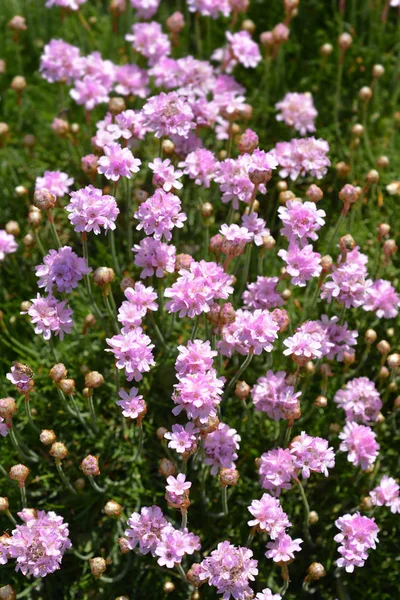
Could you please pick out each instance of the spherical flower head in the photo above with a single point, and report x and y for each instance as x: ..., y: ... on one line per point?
x: 90, y: 210
x: 154, y: 257
x: 145, y: 529
x: 383, y: 299
x: 8, y: 245
x: 165, y: 175
x: 198, y: 394
x: 178, y: 485
x: 243, y: 49
x: 90, y: 465
x: 145, y: 9
x: 89, y: 92
x: 235, y: 239
x: 200, y: 165
x: 250, y: 333
x: 195, y: 357
x: 182, y: 439
x: 301, y: 221
x: 70, y: 4
x: 210, y: 8
x: 140, y: 300
x: 159, y: 214
x: 256, y: 226
x: 297, y: 111
x: 50, y: 316
x: 21, y: 377
x: 149, y: 40
x: 360, y: 400
x: 117, y: 162
x: 220, y: 448
x: 360, y: 443
x: 132, y: 80
x: 174, y: 545
x: 262, y: 294
x: 39, y: 544
x: 268, y: 516
x: 282, y: 550
x: 132, y: 404
x: 230, y: 568
x: 341, y: 338
x: 60, y: 62
x: 133, y: 353
x: 248, y: 142
x: 167, y: 115
x: 301, y: 263
x: 312, y: 455
x: 272, y: 395
x: 62, y: 269
x: 276, y: 470
x: 303, y: 347
x: 357, y: 535
x: 386, y: 494
x: 302, y: 157
x: 266, y: 594
x: 55, y: 182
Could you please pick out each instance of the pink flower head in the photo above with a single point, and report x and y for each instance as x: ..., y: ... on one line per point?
x: 149, y: 40
x: 131, y: 80
x: 303, y: 347
x: 383, y: 299
x: 178, y: 485
x: 90, y: 210
x: 233, y: 178
x: 168, y: 114
x: 129, y: 124
x: 198, y: 394
x: 174, y: 545
x: 182, y: 439
x: 145, y: 529
x: 61, y: 268
x: 360, y: 443
x: 262, y: 294
x: 159, y: 214
x: 268, y: 516
x: 360, y: 400
x: 140, y: 299
x: 89, y: 92
x: 251, y: 332
x: 276, y: 470
x: 301, y: 221
x: 302, y: 157
x: 220, y: 448
x: 283, y: 548
x: 100, y: 70
x: 55, y: 182
x: 8, y: 245
x: 348, y: 282
x: 297, y: 111
x: 196, y: 357
x: 50, y: 316
x: 340, y: 337
x: 133, y: 353
x: 301, y: 263
x: 357, y: 535
x: 200, y: 165
x: 272, y: 395
x: 165, y: 175
x: 20, y: 379
x: 154, y: 257
x: 210, y: 8
x: 230, y: 568
x: 235, y: 239
x: 386, y: 494
x: 266, y: 594
x: 256, y: 226
x: 243, y: 49
x: 39, y: 544
x: 133, y: 406
x: 70, y: 4
x: 60, y: 62
x: 311, y: 454
x: 145, y: 9
x: 118, y: 162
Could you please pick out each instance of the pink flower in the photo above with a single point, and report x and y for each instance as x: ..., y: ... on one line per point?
x: 301, y: 221
x: 140, y: 300
x: 272, y: 395
x: 269, y: 516
x: 360, y: 443
x: 383, y: 299
x: 311, y: 454
x: 50, y: 316
x: 89, y: 92
x: 357, y: 535
x: 266, y: 594
x: 256, y: 226
x: 118, y: 162
x: 182, y: 439
x: 210, y: 8
x: 145, y: 9
x: 168, y: 114
x: 133, y: 406
x: 174, y: 545
x: 91, y: 211
x: 340, y: 337
x: 200, y: 165
x: 55, y: 182
x: 348, y: 283
x: 131, y: 80
x: 251, y: 332
x: 283, y: 548
x: 60, y: 62
x: 244, y: 50
x: 21, y: 380
x: 301, y: 263
x: 196, y: 357
x: 233, y: 176
x: 386, y: 494
x: 303, y: 347
x: 145, y: 529
x: 305, y: 156
x: 70, y: 4
x: 298, y: 111
x: 178, y: 485
x: 8, y: 245
x: 61, y: 268
x: 235, y: 239
x: 198, y: 394
x: 360, y: 400
x: 262, y: 294
x: 99, y: 70
x: 133, y: 353
x: 165, y: 175
x: 149, y: 40
x: 159, y: 214
x: 276, y: 470
x: 154, y: 257
x: 220, y: 448
x: 3, y: 432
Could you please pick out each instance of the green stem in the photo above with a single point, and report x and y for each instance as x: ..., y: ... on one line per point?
x: 184, y: 519
x: 114, y: 253
x: 338, y: 93
x: 96, y: 487
x: 24, y: 501
x: 9, y: 515
x: 288, y: 433
x: 225, y: 508
x: 195, y: 328
x: 54, y: 231
x: 30, y: 416
x: 367, y: 142
x: 181, y: 572
x: 158, y: 331
x: 111, y: 314
x: 63, y: 477
x: 15, y: 443
x: 92, y: 413
x: 306, y: 512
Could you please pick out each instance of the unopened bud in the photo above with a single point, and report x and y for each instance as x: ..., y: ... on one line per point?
x: 248, y: 25
x: 286, y: 195
x: 315, y: 571
x: 47, y: 437
x: 94, y: 379
x: 396, y: 403
x: 365, y: 93
x: 349, y: 358
x: 345, y: 41
x: 383, y: 373
x: 334, y: 427
x: 383, y: 347
x: 207, y: 210
x: 168, y: 147
x: 393, y: 360
x: 227, y: 314
x: 88, y: 322
x: 342, y: 169
x: 166, y: 467
x: 378, y: 71
x: 160, y: 432
x: 242, y: 390
x: 7, y: 593
x: 383, y: 162
x: 126, y: 283
x: 90, y: 465
x: 208, y: 427
x: 8, y: 408
x: 380, y: 418
x: 357, y: 130
x: 314, y: 193
x: 67, y: 386
x: 372, y: 177
x: 34, y: 216
x: 313, y: 517
x: 326, y: 263
x: 321, y: 402
x: 116, y: 105
x: 4, y: 505
x: 347, y: 243
x: 326, y: 50
x: 286, y: 294
x: 97, y: 566
x: 248, y: 142
x: 183, y: 261
x: 176, y: 22
x: 18, y: 84
x: 19, y: 473
x: 124, y: 545
x: 269, y: 242
x: 58, y: 372
x: 389, y: 248
x: 310, y: 367
x: 58, y: 450
x: 259, y: 177
x: 13, y: 228
x: 113, y: 509
x: 89, y: 164
x: 103, y: 276
x: 168, y: 587
x: 228, y: 477
x: 383, y: 229
x: 348, y: 194
x: 44, y: 200
x: 370, y: 336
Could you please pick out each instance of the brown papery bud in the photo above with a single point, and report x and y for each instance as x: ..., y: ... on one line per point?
x: 286, y: 195
x: 313, y: 517
x: 269, y: 242
x: 326, y: 263
x: 326, y: 50
x: 249, y: 26
x: 393, y: 360
x: 7, y: 593
x: 94, y: 379
x: 4, y: 505
x: 315, y: 571
x: 88, y: 322
x: 176, y: 22
x: 8, y: 408
x: 372, y: 177
x: 44, y: 200
x: 113, y: 509
x: 103, y: 276
x: 168, y: 587
x: 166, y: 467
x: 357, y: 130
x: 116, y: 105
x: 365, y: 94
x: 378, y: 71
x: 58, y: 450
x: 168, y: 147
x: 286, y: 294
x: 67, y: 386
x: 380, y: 418
x: 228, y: 477
x: 389, y: 248
x: 58, y: 372
x: 383, y: 230
x: 396, y: 403
x: 242, y: 390
x: 34, y: 216
x: 310, y: 367
x: 126, y: 283
x: 321, y: 402
x: 347, y: 243
x: 19, y: 473
x: 370, y: 336
x: 383, y: 347
x: 259, y: 176
x: 207, y: 210
x: 18, y: 84
x: 342, y: 169
x: 117, y: 7
x: 160, y: 432
x: 90, y: 465
x: 124, y: 545
x: 349, y: 358
x: 366, y: 503
x: 314, y: 193
x: 97, y: 566
x: 208, y: 427
x: 13, y: 228
x: 345, y: 41
x: 47, y: 437
x: 383, y: 373
x: 183, y: 261
x: 383, y: 162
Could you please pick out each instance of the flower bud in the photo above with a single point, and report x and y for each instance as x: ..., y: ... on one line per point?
x: 389, y: 248
x: 396, y: 403
x: 383, y: 230
x: 113, y: 509
x: 315, y: 571
x: 348, y: 194
x: 47, y: 437
x: 393, y: 360
x: 314, y: 193
x: 88, y: 322
x: 370, y: 336
x: 7, y: 593
x: 160, y: 432
x: 345, y: 41
x: 18, y: 84
x: 89, y: 164
x: 94, y: 379
x: 166, y: 467
x: 29, y: 140
x: 207, y: 210
x: 17, y: 23
x: 103, y: 276
x: 13, y: 228
x: 8, y: 408
x: 249, y: 26
x: 90, y: 465
x: 313, y: 517
x: 242, y: 390
x: 117, y: 7
x: 44, y: 200
x: 365, y: 93
x: 124, y: 545
x: 266, y: 39
x: 34, y: 216
x: 97, y: 566
x: 248, y: 142
x: 326, y: 263
x: 58, y: 372
x: 79, y: 484
x: 268, y: 242
x: 19, y: 473
x: 116, y: 105
x: 349, y: 358
x: 310, y: 367
x: 342, y: 169
x: 208, y: 427
x: 193, y: 575
x: 321, y: 402
x: 126, y: 283
x: 228, y: 477
x: 383, y: 162
x: 372, y: 177
x: 4, y: 504
x: 383, y: 347
x: 258, y: 176
x: 380, y: 418
x: 392, y: 387
x: 326, y: 50
x: 67, y: 386
x: 175, y: 23
x: 168, y: 587
x: 357, y: 130
x: 347, y: 243
x: 286, y: 195
x: 183, y: 261
x: 286, y: 294
x: 383, y: 373
x: 87, y: 392
x: 393, y: 188
x: 378, y: 71
x: 227, y: 314
x: 216, y: 243
x: 58, y: 451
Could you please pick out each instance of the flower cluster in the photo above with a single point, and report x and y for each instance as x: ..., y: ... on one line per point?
x: 360, y: 400
x: 358, y: 534
x: 297, y: 111
x: 272, y: 394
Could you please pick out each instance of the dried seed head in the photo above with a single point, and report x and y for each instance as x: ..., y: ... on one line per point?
x: 44, y: 200
x: 321, y: 402
x: 389, y: 248
x: 103, y: 276
x: 315, y: 571
x: 393, y: 361
x: 345, y: 41
x: 166, y: 467
x: 365, y: 93
x: 242, y: 390
x: 58, y: 372
x: 113, y: 509
x: 97, y: 566
x: 94, y: 379
x: 314, y: 193
x: 67, y: 386
x: 58, y: 451
x: 90, y: 465
x: 207, y: 210
x: 19, y: 473
x: 7, y: 593
x: 8, y: 408
x: 47, y: 437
